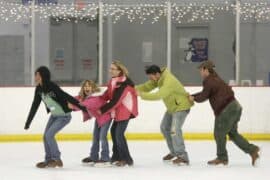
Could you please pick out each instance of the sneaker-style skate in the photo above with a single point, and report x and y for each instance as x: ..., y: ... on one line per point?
x: 180, y: 162
x: 43, y: 164
x: 55, y: 163
x: 102, y: 163
x: 168, y: 157
x: 88, y: 160
x: 255, y: 156
x: 217, y: 161
x: 124, y: 163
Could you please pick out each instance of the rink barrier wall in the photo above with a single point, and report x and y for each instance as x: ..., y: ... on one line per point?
x: 16, y: 102
x: 129, y: 136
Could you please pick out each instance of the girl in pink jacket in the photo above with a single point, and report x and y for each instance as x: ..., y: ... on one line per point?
x: 90, y: 97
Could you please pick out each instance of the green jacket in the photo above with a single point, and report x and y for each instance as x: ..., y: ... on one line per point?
x: 171, y: 91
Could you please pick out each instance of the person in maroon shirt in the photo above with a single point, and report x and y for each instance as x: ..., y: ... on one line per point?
x: 227, y: 112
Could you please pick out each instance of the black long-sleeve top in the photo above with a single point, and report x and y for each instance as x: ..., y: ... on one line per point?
x: 58, y: 95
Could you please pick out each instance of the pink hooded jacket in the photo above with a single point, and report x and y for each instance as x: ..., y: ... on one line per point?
x: 122, y: 98
x: 93, y: 103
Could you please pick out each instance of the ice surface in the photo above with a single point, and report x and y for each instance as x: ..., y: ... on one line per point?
x: 18, y: 162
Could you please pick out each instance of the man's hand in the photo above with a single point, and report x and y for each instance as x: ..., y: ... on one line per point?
x: 138, y: 92
x: 191, y: 98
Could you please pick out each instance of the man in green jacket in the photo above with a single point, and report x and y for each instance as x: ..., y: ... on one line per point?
x: 175, y: 98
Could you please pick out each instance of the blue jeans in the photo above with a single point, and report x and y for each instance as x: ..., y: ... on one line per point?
x: 100, y: 135
x: 120, y: 147
x: 54, y: 125
x: 171, y: 128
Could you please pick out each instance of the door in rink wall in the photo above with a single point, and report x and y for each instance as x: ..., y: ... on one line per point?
x: 73, y: 51
x: 12, y: 61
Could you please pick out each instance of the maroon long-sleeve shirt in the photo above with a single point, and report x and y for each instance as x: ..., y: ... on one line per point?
x: 218, y: 93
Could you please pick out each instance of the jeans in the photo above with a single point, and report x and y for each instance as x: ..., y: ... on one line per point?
x: 171, y: 128
x: 100, y: 136
x: 120, y: 147
x: 226, y: 123
x: 54, y: 125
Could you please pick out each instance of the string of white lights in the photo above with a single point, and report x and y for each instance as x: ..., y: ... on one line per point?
x: 140, y: 12
x: 198, y: 12
x: 14, y: 12
x: 136, y: 13
x: 67, y: 12
x: 260, y: 11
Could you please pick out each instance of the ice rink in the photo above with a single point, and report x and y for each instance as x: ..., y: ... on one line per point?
x: 18, y: 162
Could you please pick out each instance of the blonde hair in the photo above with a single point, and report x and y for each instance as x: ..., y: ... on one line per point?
x: 92, y: 84
x: 123, y: 70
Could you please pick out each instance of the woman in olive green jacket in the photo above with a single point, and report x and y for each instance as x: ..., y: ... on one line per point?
x: 175, y: 98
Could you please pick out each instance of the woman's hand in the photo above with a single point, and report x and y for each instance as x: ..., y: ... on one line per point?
x: 99, y: 112
x: 70, y: 106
